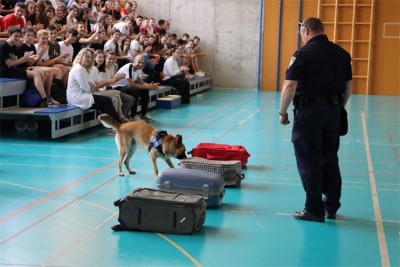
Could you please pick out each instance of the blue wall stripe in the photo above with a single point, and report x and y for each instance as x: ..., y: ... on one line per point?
x: 260, y: 44
x: 279, y: 46
x: 298, y: 32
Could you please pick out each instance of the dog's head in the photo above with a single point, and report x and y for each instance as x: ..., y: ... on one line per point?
x: 174, y: 147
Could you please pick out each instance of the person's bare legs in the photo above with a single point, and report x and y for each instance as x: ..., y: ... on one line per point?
x: 64, y: 73
x: 37, y: 80
x: 193, y: 65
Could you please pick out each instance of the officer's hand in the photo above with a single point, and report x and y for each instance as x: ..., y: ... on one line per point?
x: 284, y: 119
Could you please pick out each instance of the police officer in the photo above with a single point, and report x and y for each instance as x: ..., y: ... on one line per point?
x: 318, y: 81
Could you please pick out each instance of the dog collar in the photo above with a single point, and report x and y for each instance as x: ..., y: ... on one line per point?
x: 156, y: 141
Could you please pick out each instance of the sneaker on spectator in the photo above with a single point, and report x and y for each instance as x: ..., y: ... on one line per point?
x: 199, y: 74
x: 55, y: 102
x: 48, y: 103
x: 42, y: 104
x: 147, y: 118
x: 136, y: 118
x: 189, y: 76
x: 111, y: 132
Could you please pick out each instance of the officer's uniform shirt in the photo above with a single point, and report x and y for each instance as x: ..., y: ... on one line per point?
x: 320, y: 67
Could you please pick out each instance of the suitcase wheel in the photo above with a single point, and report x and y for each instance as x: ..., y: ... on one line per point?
x: 117, y: 227
x: 117, y: 202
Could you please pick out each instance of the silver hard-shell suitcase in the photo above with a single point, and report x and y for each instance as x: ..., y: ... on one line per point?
x: 231, y: 170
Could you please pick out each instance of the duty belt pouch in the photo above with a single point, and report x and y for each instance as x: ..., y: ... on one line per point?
x: 343, y: 125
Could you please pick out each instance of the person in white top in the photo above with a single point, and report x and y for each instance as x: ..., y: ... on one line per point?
x: 55, y: 65
x: 80, y: 85
x: 66, y: 45
x: 102, y: 85
x: 113, y: 46
x: 133, y: 72
x: 124, y: 26
x: 173, y: 76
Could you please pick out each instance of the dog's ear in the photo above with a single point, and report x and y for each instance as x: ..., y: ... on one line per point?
x: 179, y: 141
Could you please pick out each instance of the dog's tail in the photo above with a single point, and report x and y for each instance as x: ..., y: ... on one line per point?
x: 108, y: 122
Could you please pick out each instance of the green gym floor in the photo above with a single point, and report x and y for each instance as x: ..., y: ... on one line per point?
x: 56, y: 196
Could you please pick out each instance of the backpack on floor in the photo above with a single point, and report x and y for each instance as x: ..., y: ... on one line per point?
x: 31, y: 98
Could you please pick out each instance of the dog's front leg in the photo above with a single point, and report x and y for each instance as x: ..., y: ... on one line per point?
x: 169, y: 162
x: 153, y: 161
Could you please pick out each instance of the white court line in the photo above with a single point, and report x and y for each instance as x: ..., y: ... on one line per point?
x: 383, y: 189
x: 352, y: 187
x: 50, y: 166
x: 236, y: 114
x: 290, y: 140
x: 297, y: 179
x: 290, y: 214
x: 387, y: 221
x: 54, y: 156
x: 64, y: 147
x: 242, y: 211
x: 375, y: 200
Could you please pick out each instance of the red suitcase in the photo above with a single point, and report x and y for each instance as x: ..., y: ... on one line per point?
x: 221, y: 152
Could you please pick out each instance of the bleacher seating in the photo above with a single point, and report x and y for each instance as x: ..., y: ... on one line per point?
x: 68, y: 119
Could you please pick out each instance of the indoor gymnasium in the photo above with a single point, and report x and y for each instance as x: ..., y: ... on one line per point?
x: 280, y: 119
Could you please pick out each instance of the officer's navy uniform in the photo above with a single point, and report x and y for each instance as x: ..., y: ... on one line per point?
x: 321, y: 69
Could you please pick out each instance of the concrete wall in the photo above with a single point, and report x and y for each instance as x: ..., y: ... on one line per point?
x: 229, y: 32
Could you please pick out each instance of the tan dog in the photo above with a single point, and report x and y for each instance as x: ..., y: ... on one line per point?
x: 132, y: 133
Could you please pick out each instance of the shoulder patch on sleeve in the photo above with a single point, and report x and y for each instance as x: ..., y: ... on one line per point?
x: 292, y: 60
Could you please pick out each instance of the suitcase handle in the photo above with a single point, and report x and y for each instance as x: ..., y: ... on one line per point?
x: 206, y: 191
x: 217, y: 157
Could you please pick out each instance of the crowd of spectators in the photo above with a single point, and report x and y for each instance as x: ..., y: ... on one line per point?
x: 105, y: 53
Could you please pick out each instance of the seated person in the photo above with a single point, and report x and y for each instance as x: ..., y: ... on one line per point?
x: 81, y: 40
x: 8, y: 6
x: 66, y: 45
x: 80, y: 85
x: 47, y: 73
x: 124, y: 26
x: 53, y: 64
x: 16, y: 18
x: 3, y: 32
x: 55, y: 52
x: 100, y: 41
x: 9, y: 65
x: 190, y: 57
x: 198, y: 53
x: 102, y: 84
x: 133, y: 72
x: 113, y: 46
x: 173, y: 76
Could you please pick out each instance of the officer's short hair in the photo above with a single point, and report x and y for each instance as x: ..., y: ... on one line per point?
x: 313, y: 24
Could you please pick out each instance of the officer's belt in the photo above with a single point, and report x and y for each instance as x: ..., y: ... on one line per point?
x: 304, y: 101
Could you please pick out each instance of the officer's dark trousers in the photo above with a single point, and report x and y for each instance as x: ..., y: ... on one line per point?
x: 316, y: 143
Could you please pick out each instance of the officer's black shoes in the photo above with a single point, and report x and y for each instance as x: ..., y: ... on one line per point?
x: 307, y: 216
x: 331, y: 216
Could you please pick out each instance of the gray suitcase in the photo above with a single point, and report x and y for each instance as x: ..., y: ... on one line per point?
x: 206, y: 184
x: 231, y: 170
x: 151, y: 210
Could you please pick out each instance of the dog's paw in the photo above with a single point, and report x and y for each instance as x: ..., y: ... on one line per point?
x: 121, y: 174
x: 132, y: 172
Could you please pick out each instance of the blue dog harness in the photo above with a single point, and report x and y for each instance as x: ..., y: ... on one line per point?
x: 156, y: 141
